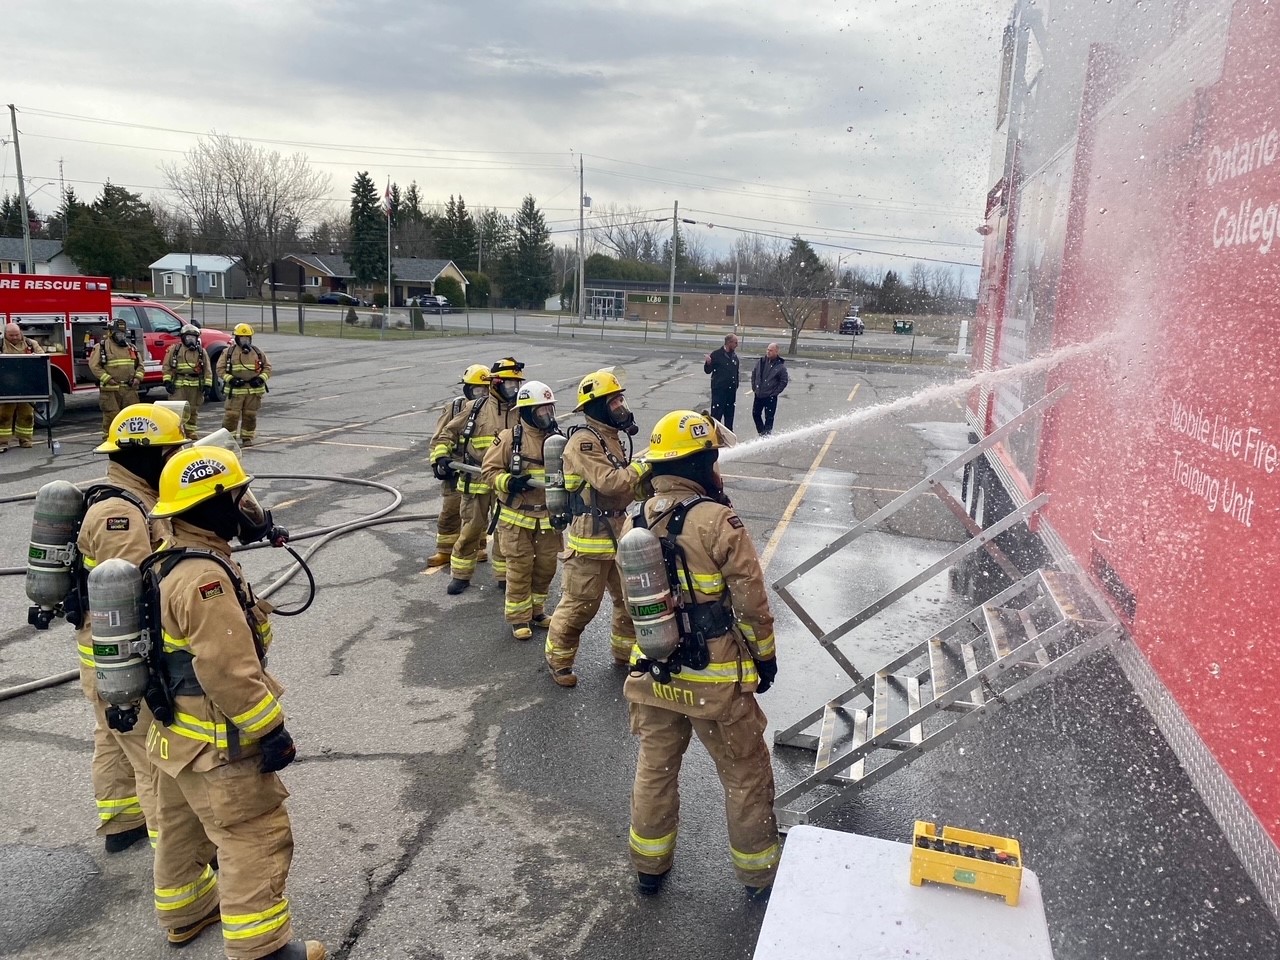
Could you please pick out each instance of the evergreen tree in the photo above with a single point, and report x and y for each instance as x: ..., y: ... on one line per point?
x: 397, y: 205
x: 413, y: 204
x: 368, y: 253
x: 457, y: 233
x: 493, y: 237
x: 117, y: 236
x: 10, y: 216
x: 526, y: 270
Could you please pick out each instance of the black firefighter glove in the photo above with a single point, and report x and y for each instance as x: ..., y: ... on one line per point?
x: 169, y: 388
x: 768, y: 670
x: 277, y: 750
x: 256, y: 382
x: 440, y: 467
x: 519, y: 483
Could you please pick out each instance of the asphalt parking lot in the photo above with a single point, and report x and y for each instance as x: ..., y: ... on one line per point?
x: 450, y: 801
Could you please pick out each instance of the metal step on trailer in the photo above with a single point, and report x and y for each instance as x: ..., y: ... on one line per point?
x: 979, y: 664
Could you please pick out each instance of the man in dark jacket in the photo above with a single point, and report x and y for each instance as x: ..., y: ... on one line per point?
x: 768, y: 379
x: 722, y: 364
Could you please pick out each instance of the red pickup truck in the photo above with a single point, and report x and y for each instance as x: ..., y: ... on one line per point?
x: 68, y: 316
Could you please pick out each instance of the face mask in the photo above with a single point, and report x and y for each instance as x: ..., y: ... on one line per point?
x: 191, y: 342
x: 507, y: 390
x: 253, y: 523
x: 244, y: 342
x: 622, y: 418
x: 544, y: 418
x: 472, y: 391
x: 119, y: 337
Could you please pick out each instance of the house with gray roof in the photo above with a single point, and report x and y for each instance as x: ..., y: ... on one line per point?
x: 318, y: 273
x: 47, y: 258
x: 208, y: 275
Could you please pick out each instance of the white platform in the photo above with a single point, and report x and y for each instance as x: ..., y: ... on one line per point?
x: 840, y: 896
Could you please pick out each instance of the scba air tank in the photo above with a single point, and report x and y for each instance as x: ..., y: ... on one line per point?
x: 115, y: 616
x: 650, y: 604
x: 553, y: 463
x: 50, y: 577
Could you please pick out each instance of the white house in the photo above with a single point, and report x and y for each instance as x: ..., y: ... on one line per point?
x: 47, y: 258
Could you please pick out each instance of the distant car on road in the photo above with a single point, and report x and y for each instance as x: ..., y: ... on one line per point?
x: 431, y: 302
x: 337, y: 296
x: 853, y: 325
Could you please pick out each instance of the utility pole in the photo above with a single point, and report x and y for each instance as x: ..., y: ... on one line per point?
x: 737, y: 321
x: 22, y: 191
x: 671, y: 288
x: 582, y: 244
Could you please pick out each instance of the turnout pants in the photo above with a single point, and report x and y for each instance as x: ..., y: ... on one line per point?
x: 242, y: 413
x: 19, y: 419
x: 722, y: 404
x: 239, y: 812
x: 121, y: 770
x: 475, y: 526
x: 112, y: 401
x: 449, y: 523
x: 742, y: 760
x: 583, y: 582
x: 531, y: 563
x: 195, y: 400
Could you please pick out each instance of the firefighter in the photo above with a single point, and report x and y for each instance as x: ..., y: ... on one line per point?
x: 528, y: 540
x: 475, y: 384
x: 215, y: 762
x: 733, y: 627
x: 117, y: 367
x: 244, y: 370
x: 19, y: 418
x: 115, y: 524
x: 188, y: 374
x: 464, y: 440
x: 601, y: 483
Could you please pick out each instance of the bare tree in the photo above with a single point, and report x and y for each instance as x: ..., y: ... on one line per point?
x: 800, y: 281
x: 259, y: 200
x: 628, y: 233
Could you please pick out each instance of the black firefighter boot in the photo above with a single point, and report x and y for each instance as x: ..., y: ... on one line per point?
x: 456, y: 586
x: 299, y: 950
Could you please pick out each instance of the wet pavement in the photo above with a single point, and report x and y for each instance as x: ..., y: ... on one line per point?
x: 451, y: 802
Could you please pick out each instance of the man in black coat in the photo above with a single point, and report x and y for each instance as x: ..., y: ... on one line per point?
x: 722, y: 364
x: 768, y: 379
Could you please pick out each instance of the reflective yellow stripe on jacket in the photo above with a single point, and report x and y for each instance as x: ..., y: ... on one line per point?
x: 216, y: 733
x: 762, y: 648
x: 592, y: 546
x: 526, y: 521
x: 724, y: 671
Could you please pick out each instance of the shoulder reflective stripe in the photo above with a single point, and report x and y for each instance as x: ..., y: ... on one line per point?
x: 242, y: 926
x: 174, y: 898
x: 659, y: 847
x: 266, y: 712
x: 766, y: 859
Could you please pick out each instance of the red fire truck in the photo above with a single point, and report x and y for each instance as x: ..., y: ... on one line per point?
x: 1135, y: 203
x: 69, y: 315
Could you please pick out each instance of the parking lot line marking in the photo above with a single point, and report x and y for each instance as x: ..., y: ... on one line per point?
x: 432, y: 571
x: 409, y: 413
x: 362, y: 446
x: 333, y: 396
x: 287, y: 503
x: 788, y: 481
x: 772, y: 546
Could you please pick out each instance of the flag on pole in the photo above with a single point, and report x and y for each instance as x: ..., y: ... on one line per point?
x: 386, y: 200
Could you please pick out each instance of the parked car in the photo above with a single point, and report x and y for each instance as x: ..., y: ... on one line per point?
x: 431, y: 302
x: 852, y: 324
x: 337, y: 296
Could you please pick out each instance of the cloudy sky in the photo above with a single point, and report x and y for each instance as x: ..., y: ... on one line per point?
x: 863, y: 125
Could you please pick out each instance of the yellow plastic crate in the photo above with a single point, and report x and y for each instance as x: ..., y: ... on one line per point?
x: 965, y: 858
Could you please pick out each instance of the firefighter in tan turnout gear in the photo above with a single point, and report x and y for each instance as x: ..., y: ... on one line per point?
x: 217, y: 754
x: 529, y: 541
x: 17, y: 418
x: 115, y: 524
x: 475, y: 384
x: 244, y: 371
x: 601, y: 483
x: 698, y: 672
x: 188, y: 375
x: 459, y: 449
x: 117, y: 367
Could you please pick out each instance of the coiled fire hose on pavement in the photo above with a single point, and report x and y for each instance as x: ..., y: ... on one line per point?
x: 378, y: 518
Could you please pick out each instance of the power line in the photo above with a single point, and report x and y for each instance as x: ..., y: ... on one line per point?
x: 853, y: 234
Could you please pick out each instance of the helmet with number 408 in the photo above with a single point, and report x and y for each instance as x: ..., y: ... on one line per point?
x: 682, y: 433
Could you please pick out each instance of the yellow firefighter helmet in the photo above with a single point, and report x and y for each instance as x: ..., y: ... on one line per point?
x: 143, y: 425
x: 476, y: 375
x: 682, y: 433
x: 193, y: 476
x: 602, y: 383
x: 508, y: 368
x: 243, y: 330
